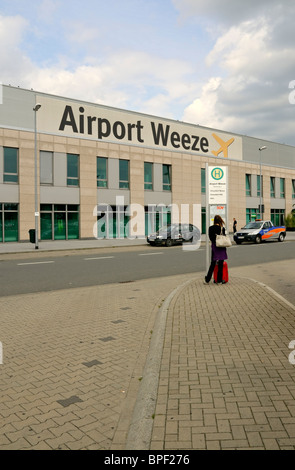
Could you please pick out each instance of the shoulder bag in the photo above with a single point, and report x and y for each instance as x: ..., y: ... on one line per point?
x: 222, y: 241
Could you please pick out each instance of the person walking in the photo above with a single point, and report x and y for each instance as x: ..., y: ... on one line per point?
x: 234, y: 225
x: 217, y: 254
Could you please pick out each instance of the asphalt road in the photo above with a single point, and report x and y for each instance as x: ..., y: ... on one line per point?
x: 63, y: 271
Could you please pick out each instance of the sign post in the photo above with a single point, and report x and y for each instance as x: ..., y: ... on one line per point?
x: 216, y: 199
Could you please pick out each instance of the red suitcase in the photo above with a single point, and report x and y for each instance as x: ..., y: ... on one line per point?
x: 224, y: 274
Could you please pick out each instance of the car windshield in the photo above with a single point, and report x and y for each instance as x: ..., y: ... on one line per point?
x: 253, y: 225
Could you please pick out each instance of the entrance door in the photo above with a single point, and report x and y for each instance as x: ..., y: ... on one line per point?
x: 59, y: 226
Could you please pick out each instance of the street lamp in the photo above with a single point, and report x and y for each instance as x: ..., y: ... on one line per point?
x: 260, y: 208
x: 35, y: 109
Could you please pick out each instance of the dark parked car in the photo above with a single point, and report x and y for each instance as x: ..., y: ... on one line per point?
x: 173, y: 234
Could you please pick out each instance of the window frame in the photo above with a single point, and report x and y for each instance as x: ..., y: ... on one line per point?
x: 43, y: 153
x: 148, y: 185
x: 8, y: 208
x: 124, y: 184
x: 7, y: 174
x: 203, y: 180
x: 54, y: 210
x: 259, y: 186
x: 272, y: 187
x: 167, y: 186
x: 73, y: 179
x: 282, y: 188
x: 100, y: 181
x: 248, y: 184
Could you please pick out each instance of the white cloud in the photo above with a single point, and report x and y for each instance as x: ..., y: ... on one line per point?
x: 253, y: 75
x: 202, y: 109
x: 227, y: 12
x: 131, y: 79
x: 46, y: 9
x: 81, y: 33
x: 247, y: 70
x: 13, y: 62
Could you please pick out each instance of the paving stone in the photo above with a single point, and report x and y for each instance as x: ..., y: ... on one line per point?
x: 48, y: 338
x: 107, y: 339
x: 241, y: 370
x: 225, y: 381
x: 69, y: 401
x: 95, y: 362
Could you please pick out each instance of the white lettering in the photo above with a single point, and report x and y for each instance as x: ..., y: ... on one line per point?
x: 292, y: 93
x: 114, y: 460
x: 133, y: 220
x: 292, y: 354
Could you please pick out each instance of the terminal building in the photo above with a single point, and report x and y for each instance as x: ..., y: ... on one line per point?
x: 113, y: 173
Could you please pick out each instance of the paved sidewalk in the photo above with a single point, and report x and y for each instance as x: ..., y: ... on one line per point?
x: 207, y: 364
x: 225, y: 379
x: 73, y: 362
x: 60, y: 245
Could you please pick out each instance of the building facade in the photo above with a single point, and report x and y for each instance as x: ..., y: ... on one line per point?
x: 106, y: 172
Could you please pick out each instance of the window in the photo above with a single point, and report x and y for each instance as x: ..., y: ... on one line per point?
x: 156, y: 216
x: 293, y: 189
x: 204, y: 220
x: 248, y: 185
x: 59, y: 221
x: 46, y: 167
x: 203, y: 180
x: 124, y: 174
x: 272, y: 186
x: 112, y: 222
x: 10, y: 174
x: 72, y: 169
x: 166, y: 177
x: 148, y: 176
x: 277, y: 216
x: 102, y: 173
x: 282, y: 187
x: 9, y: 222
x: 251, y: 215
x: 259, y: 189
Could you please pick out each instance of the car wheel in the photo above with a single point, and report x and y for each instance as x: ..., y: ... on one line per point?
x: 168, y: 242
x: 281, y: 237
x: 238, y: 242
x: 258, y: 239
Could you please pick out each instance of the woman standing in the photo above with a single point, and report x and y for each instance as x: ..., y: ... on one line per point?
x: 218, y: 254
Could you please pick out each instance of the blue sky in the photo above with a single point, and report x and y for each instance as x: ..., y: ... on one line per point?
x: 219, y: 63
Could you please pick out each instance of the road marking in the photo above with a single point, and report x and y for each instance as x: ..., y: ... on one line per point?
x: 101, y: 257
x: 39, y: 262
x: 150, y: 254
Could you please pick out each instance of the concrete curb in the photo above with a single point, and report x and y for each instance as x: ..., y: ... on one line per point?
x: 272, y: 291
x: 140, y: 431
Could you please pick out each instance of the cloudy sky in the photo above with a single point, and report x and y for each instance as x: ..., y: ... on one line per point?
x: 226, y: 64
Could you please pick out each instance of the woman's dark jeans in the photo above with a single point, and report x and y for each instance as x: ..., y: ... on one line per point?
x: 211, y: 269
